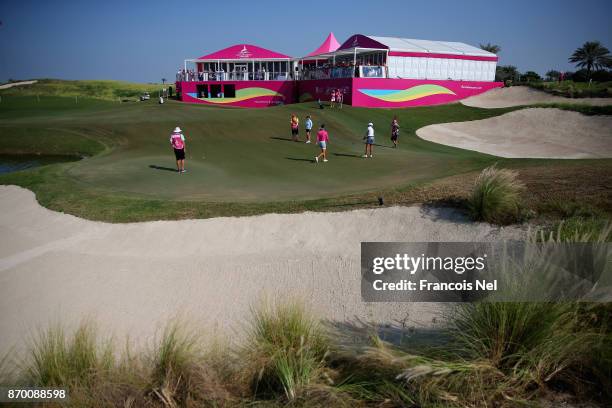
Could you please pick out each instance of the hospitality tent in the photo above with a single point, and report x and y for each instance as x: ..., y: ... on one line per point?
x: 245, y: 58
x: 425, y: 59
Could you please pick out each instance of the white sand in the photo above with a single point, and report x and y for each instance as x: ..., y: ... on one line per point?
x: 133, y: 277
x: 529, y: 133
x: 12, y: 84
x: 522, y: 95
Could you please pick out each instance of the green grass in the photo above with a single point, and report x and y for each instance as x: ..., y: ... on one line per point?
x: 239, y: 161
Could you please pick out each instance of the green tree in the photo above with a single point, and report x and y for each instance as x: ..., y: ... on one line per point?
x: 495, y: 49
x: 530, y: 76
x: 506, y: 73
x: 592, y: 55
x: 552, y: 75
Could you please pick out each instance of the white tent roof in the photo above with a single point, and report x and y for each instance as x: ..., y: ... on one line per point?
x: 428, y: 46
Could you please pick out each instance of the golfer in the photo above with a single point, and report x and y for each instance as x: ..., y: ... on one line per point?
x: 322, y: 139
x: 177, y: 140
x: 395, y: 131
x: 369, y: 140
x: 308, y: 126
x: 295, y: 127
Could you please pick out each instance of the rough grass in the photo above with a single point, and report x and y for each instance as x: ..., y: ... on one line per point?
x: 286, y: 348
x: 56, y: 359
x: 573, y: 89
x: 98, y: 89
x: 499, y: 354
x: 496, y: 196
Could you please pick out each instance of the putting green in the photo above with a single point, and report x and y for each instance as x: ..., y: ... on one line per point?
x: 233, y: 155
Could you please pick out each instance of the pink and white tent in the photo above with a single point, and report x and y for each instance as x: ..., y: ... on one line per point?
x: 243, y: 52
x: 329, y: 45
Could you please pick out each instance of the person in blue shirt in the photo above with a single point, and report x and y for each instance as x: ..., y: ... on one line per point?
x: 308, y: 125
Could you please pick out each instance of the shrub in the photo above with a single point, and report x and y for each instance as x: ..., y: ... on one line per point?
x: 496, y: 196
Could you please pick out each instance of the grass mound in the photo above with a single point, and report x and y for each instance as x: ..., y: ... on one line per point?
x: 496, y: 196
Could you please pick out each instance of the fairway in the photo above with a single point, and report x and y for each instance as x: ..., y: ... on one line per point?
x: 233, y: 155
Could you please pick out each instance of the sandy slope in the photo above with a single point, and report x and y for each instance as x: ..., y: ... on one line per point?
x: 522, y: 95
x: 12, y: 84
x: 132, y: 277
x: 529, y: 133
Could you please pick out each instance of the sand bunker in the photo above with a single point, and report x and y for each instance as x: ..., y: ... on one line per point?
x: 133, y: 277
x: 529, y: 133
x: 522, y: 95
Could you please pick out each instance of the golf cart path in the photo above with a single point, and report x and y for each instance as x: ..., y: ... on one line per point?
x: 133, y: 278
x: 523, y: 95
x: 529, y: 133
x: 12, y: 84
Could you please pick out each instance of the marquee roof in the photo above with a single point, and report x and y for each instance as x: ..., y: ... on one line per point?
x: 243, y: 52
x: 329, y: 45
x: 399, y: 46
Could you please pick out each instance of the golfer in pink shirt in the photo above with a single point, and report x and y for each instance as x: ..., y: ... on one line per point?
x: 322, y: 139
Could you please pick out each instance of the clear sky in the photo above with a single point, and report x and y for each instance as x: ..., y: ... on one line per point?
x: 145, y: 41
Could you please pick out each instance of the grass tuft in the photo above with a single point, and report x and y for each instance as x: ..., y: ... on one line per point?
x: 496, y: 196
x: 57, y: 359
x: 286, y: 350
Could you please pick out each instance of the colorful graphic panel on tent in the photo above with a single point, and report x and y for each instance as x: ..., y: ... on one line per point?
x: 251, y: 94
x: 389, y: 93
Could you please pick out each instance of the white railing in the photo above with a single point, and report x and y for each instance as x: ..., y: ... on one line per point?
x: 233, y: 76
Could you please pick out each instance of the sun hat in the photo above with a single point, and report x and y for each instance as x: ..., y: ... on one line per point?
x: 177, y: 130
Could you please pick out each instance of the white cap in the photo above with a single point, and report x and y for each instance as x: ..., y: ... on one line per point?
x: 371, y: 124
x: 177, y: 130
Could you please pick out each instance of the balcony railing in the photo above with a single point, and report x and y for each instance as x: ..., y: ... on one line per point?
x: 233, y: 76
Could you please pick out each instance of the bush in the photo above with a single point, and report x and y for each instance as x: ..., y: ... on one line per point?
x: 496, y: 196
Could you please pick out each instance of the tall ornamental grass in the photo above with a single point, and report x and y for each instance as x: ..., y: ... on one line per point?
x: 496, y: 197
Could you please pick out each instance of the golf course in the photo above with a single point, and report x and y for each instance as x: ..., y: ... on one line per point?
x: 239, y: 161
x: 255, y: 217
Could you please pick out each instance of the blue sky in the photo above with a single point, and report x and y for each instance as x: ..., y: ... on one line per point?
x: 145, y: 41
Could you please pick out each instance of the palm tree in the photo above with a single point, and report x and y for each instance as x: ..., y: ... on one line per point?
x: 495, y: 49
x: 592, y: 55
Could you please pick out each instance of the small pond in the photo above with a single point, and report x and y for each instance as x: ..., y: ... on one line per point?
x: 16, y: 162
